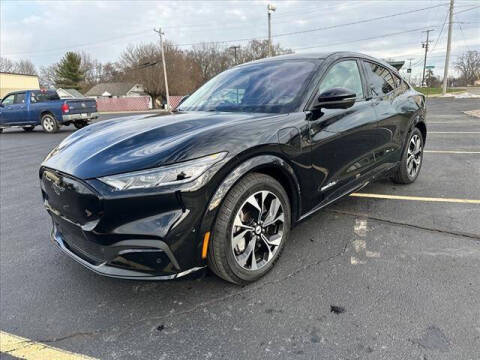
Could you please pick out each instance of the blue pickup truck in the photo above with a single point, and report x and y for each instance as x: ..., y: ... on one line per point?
x: 27, y: 109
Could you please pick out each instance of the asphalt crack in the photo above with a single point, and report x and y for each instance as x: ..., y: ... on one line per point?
x: 66, y: 337
x: 401, y: 223
x: 245, y: 290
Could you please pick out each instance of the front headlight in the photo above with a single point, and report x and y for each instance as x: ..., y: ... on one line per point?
x: 166, y: 175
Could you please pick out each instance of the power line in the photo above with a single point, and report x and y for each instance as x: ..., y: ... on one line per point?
x: 358, y: 40
x: 317, y: 29
x: 358, y: 22
x: 462, y: 11
x: 233, y: 40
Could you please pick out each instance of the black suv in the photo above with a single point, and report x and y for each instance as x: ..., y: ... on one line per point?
x: 222, y: 180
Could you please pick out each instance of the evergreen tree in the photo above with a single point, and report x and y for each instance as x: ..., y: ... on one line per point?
x: 69, y: 73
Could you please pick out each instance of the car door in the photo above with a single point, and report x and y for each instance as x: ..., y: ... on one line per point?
x: 7, y: 110
x: 392, y: 114
x: 343, y: 140
x: 20, y: 111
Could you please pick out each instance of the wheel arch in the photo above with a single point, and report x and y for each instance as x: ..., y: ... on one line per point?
x: 268, y: 164
x: 46, y: 112
x: 423, y: 129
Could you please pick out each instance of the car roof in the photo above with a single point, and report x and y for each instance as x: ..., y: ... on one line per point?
x: 322, y: 56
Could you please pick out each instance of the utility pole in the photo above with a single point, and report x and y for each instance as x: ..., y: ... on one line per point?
x: 425, y: 45
x: 449, y: 42
x: 410, y: 70
x: 235, y: 47
x: 270, y: 8
x: 159, y: 31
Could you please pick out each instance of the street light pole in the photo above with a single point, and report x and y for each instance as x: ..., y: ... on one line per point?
x: 449, y: 42
x: 425, y: 45
x: 270, y: 8
x: 235, y: 48
x: 159, y: 31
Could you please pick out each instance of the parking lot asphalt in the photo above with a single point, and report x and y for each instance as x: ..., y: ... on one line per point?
x: 366, y: 278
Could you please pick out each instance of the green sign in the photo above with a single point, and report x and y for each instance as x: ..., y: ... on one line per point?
x: 429, y: 67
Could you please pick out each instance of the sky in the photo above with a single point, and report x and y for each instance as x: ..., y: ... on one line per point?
x: 44, y: 30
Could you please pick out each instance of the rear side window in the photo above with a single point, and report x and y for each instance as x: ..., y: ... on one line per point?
x: 44, y: 96
x: 380, y: 79
x: 19, y: 98
x: 344, y: 74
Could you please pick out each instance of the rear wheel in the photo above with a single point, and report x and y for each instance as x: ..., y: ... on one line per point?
x: 28, y: 128
x: 252, y: 227
x: 49, y: 123
x: 412, y: 159
x: 80, y: 124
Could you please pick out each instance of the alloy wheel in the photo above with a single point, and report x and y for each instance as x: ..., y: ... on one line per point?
x: 257, y: 230
x: 48, y: 123
x: 414, y: 156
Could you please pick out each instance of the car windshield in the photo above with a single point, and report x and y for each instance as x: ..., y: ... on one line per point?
x: 270, y: 87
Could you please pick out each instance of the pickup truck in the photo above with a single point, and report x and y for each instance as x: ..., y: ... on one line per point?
x: 30, y: 108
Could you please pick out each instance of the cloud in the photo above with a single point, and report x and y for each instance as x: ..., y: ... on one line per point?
x: 43, y: 30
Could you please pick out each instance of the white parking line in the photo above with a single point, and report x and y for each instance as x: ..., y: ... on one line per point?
x: 450, y: 152
x: 416, y: 198
x: 454, y: 132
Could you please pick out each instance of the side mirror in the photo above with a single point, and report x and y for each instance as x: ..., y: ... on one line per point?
x: 336, y: 98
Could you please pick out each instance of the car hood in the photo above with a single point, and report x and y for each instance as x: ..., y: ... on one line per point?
x: 123, y: 145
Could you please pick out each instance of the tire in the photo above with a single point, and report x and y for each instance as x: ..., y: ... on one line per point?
x: 80, y: 124
x: 50, y: 124
x: 28, y: 128
x: 412, y: 159
x: 230, y: 246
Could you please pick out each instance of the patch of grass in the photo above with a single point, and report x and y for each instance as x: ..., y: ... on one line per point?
x: 436, y: 91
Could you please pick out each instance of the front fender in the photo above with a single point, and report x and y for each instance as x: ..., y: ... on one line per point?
x: 258, y: 163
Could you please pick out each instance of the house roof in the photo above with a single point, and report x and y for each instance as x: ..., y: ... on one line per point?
x: 114, y: 89
x: 13, y: 73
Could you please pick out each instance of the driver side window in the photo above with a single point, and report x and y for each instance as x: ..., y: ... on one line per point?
x: 344, y: 74
x: 8, y: 100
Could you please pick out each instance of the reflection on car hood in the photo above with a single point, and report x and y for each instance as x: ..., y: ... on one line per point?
x: 140, y: 142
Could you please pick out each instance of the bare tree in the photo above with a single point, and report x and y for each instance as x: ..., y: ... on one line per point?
x: 25, y: 67
x: 6, y: 65
x: 469, y: 66
x: 211, y: 59
x: 258, y: 49
x: 142, y: 64
x: 47, y: 76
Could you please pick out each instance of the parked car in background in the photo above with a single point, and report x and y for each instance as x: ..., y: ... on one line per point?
x: 30, y: 108
x: 220, y: 183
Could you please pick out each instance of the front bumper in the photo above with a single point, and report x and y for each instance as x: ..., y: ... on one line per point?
x: 145, y: 236
x: 82, y: 116
x: 107, y: 268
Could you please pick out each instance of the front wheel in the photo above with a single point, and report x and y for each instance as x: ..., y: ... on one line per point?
x: 252, y: 227
x: 49, y: 123
x: 412, y: 159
